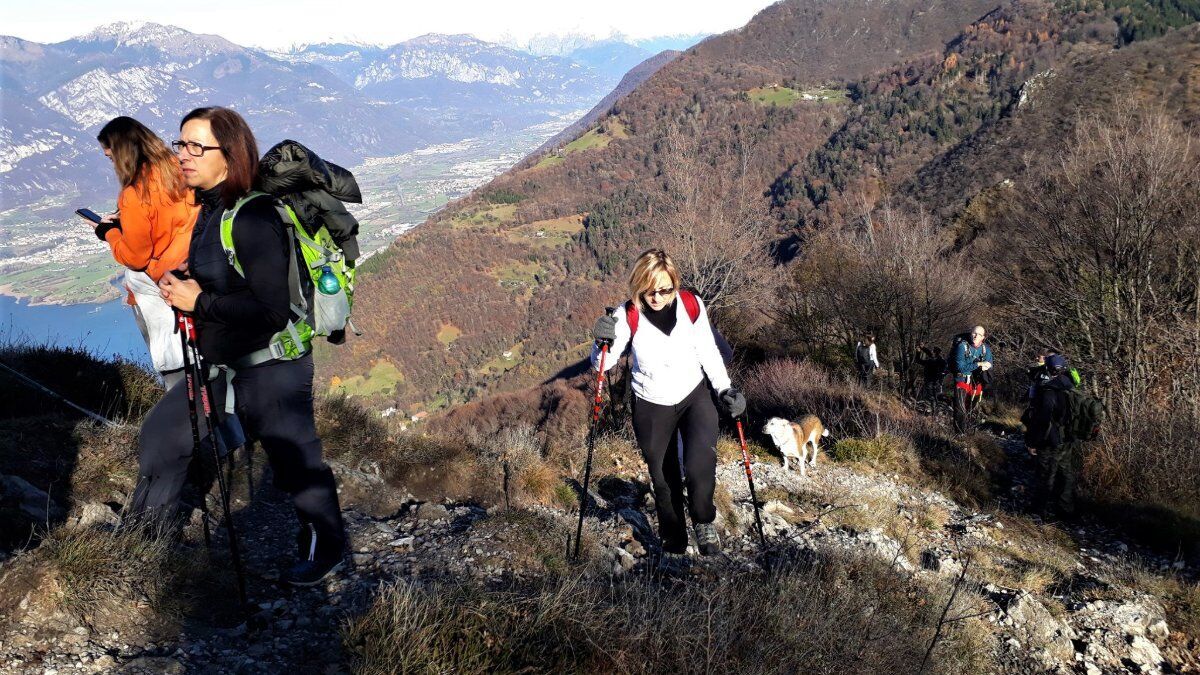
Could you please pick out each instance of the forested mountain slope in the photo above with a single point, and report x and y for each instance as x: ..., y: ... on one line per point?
x: 809, y: 115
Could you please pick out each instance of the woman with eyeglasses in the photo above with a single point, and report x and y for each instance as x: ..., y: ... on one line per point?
x: 240, y: 316
x: 675, y: 364
x: 150, y: 232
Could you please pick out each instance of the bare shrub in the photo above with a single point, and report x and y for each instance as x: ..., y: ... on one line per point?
x: 894, y: 275
x: 1108, y: 267
x: 791, y: 389
x: 818, y: 614
x: 1108, y: 264
x: 714, y: 214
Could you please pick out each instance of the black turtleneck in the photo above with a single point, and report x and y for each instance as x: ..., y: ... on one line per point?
x: 236, y: 316
x: 663, y: 319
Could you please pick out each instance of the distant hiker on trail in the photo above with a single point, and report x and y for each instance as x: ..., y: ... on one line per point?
x: 933, y: 369
x: 972, y: 361
x: 866, y: 360
x: 1038, y: 373
x: 243, y: 323
x: 675, y: 362
x: 149, y: 233
x: 1059, y: 420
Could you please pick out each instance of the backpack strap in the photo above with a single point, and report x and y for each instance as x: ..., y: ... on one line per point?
x: 295, y: 339
x: 690, y: 303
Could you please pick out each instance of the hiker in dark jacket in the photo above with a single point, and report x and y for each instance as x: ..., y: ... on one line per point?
x: 972, y: 363
x: 241, y: 324
x: 1057, y: 459
x: 933, y: 369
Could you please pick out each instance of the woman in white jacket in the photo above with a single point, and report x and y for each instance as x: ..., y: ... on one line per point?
x: 675, y: 363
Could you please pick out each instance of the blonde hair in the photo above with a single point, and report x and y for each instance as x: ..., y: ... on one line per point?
x: 646, y: 269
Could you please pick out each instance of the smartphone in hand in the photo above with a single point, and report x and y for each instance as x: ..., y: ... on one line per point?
x: 89, y: 214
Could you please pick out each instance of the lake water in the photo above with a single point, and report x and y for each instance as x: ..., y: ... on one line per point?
x: 105, y: 329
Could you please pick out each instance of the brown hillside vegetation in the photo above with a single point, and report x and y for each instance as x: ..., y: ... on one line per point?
x: 452, y: 268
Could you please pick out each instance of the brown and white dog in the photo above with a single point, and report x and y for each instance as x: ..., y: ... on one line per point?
x: 793, y: 438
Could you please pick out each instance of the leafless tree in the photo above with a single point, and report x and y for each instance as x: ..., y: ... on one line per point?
x: 892, y: 274
x: 1109, y: 261
x: 713, y: 212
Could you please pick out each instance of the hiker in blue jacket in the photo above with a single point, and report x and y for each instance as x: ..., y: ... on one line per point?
x: 972, y: 363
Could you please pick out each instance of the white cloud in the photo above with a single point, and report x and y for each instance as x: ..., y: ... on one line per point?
x: 279, y: 23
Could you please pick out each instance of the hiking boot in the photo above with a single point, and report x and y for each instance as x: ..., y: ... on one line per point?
x: 707, y: 540
x: 311, y: 572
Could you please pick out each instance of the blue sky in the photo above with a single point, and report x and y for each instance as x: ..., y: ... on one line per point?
x: 280, y: 23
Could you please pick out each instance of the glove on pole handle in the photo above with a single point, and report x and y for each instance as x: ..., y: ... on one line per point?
x: 762, y: 539
x: 188, y: 328
x: 597, y: 404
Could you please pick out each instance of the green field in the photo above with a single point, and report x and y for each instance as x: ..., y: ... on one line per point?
x: 787, y: 97
x: 599, y: 137
x: 502, y: 364
x: 383, y: 379
x: 517, y: 273
x: 448, y: 333
x: 496, y: 214
x: 547, y: 233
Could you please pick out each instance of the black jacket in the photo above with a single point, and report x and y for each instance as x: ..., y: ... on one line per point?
x: 315, y: 189
x: 236, y: 316
x: 1047, y: 412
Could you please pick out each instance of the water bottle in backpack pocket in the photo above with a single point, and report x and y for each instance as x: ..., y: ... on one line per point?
x: 331, y: 304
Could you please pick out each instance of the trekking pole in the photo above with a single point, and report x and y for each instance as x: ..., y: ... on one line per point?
x: 597, y: 402
x: 191, y: 400
x: 197, y: 382
x: 762, y: 538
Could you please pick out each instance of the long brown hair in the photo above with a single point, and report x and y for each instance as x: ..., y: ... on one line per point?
x: 135, y: 151
x: 237, y: 144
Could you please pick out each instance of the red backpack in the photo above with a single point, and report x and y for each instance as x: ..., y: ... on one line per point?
x: 690, y: 304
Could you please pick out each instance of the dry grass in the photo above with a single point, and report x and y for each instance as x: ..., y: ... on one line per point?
x: 1028, y: 555
x: 886, y: 453
x: 532, y: 541
x: 114, y: 579
x: 816, y: 615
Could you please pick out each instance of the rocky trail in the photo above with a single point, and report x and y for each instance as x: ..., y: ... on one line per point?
x: 1056, y: 598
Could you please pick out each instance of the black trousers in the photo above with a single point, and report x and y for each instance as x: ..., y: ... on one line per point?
x: 655, y: 427
x: 1057, y: 471
x: 275, y: 405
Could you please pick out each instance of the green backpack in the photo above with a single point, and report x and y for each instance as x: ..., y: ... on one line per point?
x: 1083, y: 418
x: 318, y: 309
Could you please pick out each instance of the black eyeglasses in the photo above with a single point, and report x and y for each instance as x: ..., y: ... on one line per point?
x: 194, y: 149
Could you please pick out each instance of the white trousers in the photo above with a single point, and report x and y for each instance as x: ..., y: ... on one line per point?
x: 156, y: 319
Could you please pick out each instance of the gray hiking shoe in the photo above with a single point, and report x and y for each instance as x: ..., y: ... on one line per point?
x: 707, y: 540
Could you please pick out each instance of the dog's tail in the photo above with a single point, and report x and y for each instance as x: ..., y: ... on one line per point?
x: 825, y: 432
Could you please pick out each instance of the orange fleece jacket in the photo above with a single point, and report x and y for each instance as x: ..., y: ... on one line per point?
x: 155, y: 233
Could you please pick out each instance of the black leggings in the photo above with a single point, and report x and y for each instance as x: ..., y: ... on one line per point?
x: 655, y: 426
x: 275, y: 405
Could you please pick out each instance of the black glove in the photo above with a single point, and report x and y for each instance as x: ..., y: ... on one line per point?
x: 734, y: 402
x: 605, y: 329
x: 103, y: 228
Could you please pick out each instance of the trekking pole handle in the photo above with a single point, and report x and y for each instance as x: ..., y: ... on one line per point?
x: 186, y: 325
x: 745, y: 449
